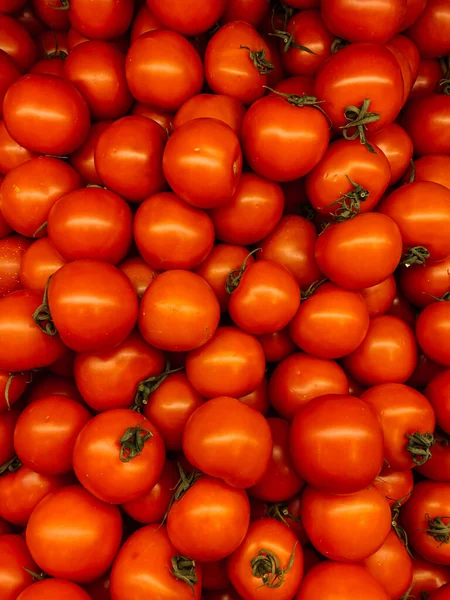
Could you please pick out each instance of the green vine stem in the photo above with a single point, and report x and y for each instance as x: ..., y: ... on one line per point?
x: 408, y: 593
x: 36, y: 576
x: 266, y: 566
x: 438, y: 529
x: 10, y: 466
x: 281, y: 7
x: 280, y: 511
x: 419, y: 445
x: 258, y: 57
x: 183, y: 569
x: 300, y: 101
x: 412, y: 176
x: 358, y: 118
x: 65, y: 5
x: 350, y: 202
x: 149, y: 385
x: 42, y: 316
x: 415, y: 256
x: 132, y: 442
x: 401, y: 533
x: 288, y: 41
x: 185, y: 482
x: 338, y: 44
x: 234, y: 278
x: 312, y: 288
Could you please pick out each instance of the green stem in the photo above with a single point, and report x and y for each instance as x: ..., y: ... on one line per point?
x: 358, y: 118
x: 280, y: 511
x: 258, y: 57
x: 419, y: 445
x: 42, y: 316
x: 10, y: 466
x: 132, y: 442
x: 149, y: 385
x: 350, y: 203
x: 438, y: 529
x: 312, y: 288
x: 234, y: 278
x: 183, y: 569
x: 401, y: 533
x: 266, y: 566
x: 338, y: 44
x: 415, y: 256
x: 288, y: 41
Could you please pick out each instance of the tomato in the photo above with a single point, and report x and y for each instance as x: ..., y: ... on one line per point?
x: 194, y: 528
x: 433, y: 167
x: 402, y: 309
x: 8, y: 74
x: 409, y: 50
x: 442, y: 593
x: 11, y: 389
x: 405, y: 67
x: 76, y: 293
x: 432, y: 328
x: 50, y: 14
x: 347, y: 528
x: 163, y: 69
x: 379, y: 297
x: 12, y: 249
x: 438, y: 393
x: 52, y: 44
x: 133, y: 144
x: 331, y: 323
x: 9, y: 6
x: 189, y: 19
x: 425, y: 520
x: 259, y: 398
x: 99, y: 589
x: 39, y: 262
x: 437, y: 467
x: 277, y: 345
x: 178, y: 312
x: 297, y: 85
x: 249, y: 568
x: 11, y: 153
x: 21, y: 492
x: 156, y: 114
x: 265, y: 297
x: 8, y: 420
x: 427, y: 576
x: 361, y: 252
x: 432, y: 135
x: 150, y: 550
x: 397, y: 146
x: 53, y: 589
x: 51, y: 385
x: 250, y: 11
x: 396, y: 486
x: 14, y: 559
x: 57, y: 120
x: 428, y: 78
x: 184, y: 162
x: 299, y: 378
x: 17, y: 43
x: 45, y: 434
x: 89, y: 534
x: 140, y: 274
x: 422, y: 284
x: 223, y: 108
x: 143, y: 22
x: 49, y: 66
x: 413, y: 10
x: 431, y: 31
x: 110, y: 19
x: 31, y: 189
x: 282, y: 141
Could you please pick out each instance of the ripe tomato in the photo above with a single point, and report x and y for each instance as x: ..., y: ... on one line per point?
x: 232, y: 364
x: 110, y: 19
x: 89, y: 534
x: 163, y: 69
x: 428, y: 78
x: 408, y: 48
x: 57, y: 120
x: 156, y: 114
x: 170, y: 234
x: 433, y: 167
x: 140, y: 274
x: 53, y: 589
x: 17, y: 43
x: 347, y: 528
x: 45, y: 434
x: 396, y: 486
x: 11, y: 389
x: 297, y: 85
x: 432, y: 136
x: 431, y: 31
x: 128, y: 157
x: 178, y: 312
x: 437, y: 467
x: 51, y: 385
x: 150, y: 550
x: 83, y: 159
x: 442, y: 593
x: 432, y: 330
x: 337, y: 443
x: 223, y: 108
x: 250, y: 11
x: 266, y: 298
x: 268, y: 542
x: 8, y: 420
x: 49, y: 14
x: 194, y: 528
x: 374, y: 238
x: 259, y: 398
x: 425, y: 520
x: 428, y: 576
x: 277, y: 345
x: 93, y: 305
x: 205, y: 150
x: 11, y: 153
x: 283, y: 141
x: 397, y: 146
x: 331, y: 323
x: 404, y: 413
x: 388, y: 353
x: 225, y: 438
x: 12, y: 249
x: 49, y: 66
x: 31, y: 189
x: 189, y: 19
x: 422, y: 284
x: 8, y: 74
x: 438, y: 393
x: 39, y: 262
x: 299, y: 378
x: 14, y: 559
x: 143, y: 22
x: 118, y: 456
x: 379, y: 297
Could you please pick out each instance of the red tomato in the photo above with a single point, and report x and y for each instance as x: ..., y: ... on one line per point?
x: 284, y: 141
x: 45, y: 434
x: 14, y: 559
x: 431, y: 31
x: 296, y: 86
x: 163, y: 69
x: 11, y: 153
x: 57, y: 120
x: 347, y: 528
x: 432, y: 136
x: 178, y: 312
x: 433, y: 167
x: 259, y: 398
x: 89, y: 534
x: 428, y: 78
x: 194, y: 528
x: 11, y: 389
x: 397, y: 146
x: 17, y: 43
x: 264, y: 297
x: 205, y: 150
x: 249, y: 568
x: 12, y: 249
x: 428, y: 576
x: 299, y: 378
x: 140, y: 274
x: 396, y: 486
x: 413, y: 10
x: 250, y: 11
x: 31, y: 189
x: 134, y: 145
x: 8, y: 74
x: 143, y: 22
x: 156, y: 114
x: 110, y: 19
x: 432, y: 329
x: 277, y: 345
x: 8, y: 420
x: 151, y: 550
x: 50, y: 13
x: 437, y: 466
x: 374, y: 238
x: 438, y: 393
x: 39, y: 262
x: 51, y: 385
x: 405, y: 67
x: 422, y: 284
x: 83, y: 159
x: 442, y: 593
x: 388, y: 353
x: 331, y: 323
x: 225, y: 438
x: 222, y: 108
x: 49, y: 66
x: 53, y: 589
x: 402, y: 309
x: 407, y: 420
x: 379, y: 297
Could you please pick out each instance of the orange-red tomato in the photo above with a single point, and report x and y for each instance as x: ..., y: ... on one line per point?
x: 397, y: 146
x: 52, y: 589
x: 422, y: 284
x: 11, y: 153
x: 17, y: 43
x: 379, y: 297
x: 140, y: 274
x: 40, y: 260
x: 438, y: 393
x: 396, y: 486
x: 216, y: 106
x: 428, y: 576
x: 432, y: 328
x: 15, y: 558
x: 111, y: 18
x: 189, y: 18
x: 277, y: 345
x: 82, y: 160
x: 259, y: 398
x: 9, y: 72
x: 143, y: 22
x: 433, y: 167
x: 12, y: 249
x: 431, y: 30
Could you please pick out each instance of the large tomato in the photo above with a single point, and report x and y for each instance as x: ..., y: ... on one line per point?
x: 17, y: 43
x: 432, y: 329
x: 337, y: 443
x: 14, y: 560
x: 438, y: 393
x: 39, y: 262
x: 110, y: 19
x: 53, y: 589
x: 397, y: 146
x: 216, y: 106
x: 431, y: 31
x: 73, y: 535
x: 57, y: 120
x: 189, y: 18
x: 11, y: 153
x: 432, y: 136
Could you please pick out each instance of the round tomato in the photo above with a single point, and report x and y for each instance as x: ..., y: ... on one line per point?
x: 379, y: 297
x: 433, y: 167
x: 49, y: 66
x: 223, y: 108
x: 143, y: 22
x: 251, y: 11
x: 110, y: 19
x: 432, y: 329
x: 428, y: 78
x: 188, y: 18
x: 397, y: 146
x: 8, y: 74
x: 14, y: 560
x: 83, y: 159
x: 12, y: 249
x: 277, y: 345
x: 438, y: 393
x: 11, y: 153
x: 396, y: 486
x: 437, y: 466
x: 259, y: 398
x: 49, y: 13
x: 39, y: 262
x: 140, y: 274
x: 53, y: 589
x: 422, y: 284
x: 432, y: 136
x: 428, y: 576
x: 431, y: 31
x: 17, y: 42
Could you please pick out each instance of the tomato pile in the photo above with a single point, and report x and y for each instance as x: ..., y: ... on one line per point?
x: 224, y: 299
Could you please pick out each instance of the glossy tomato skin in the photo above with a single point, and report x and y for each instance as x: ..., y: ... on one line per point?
x: 337, y: 443
x: 128, y: 157
x: 16, y: 387
x: 52, y: 589
x: 192, y: 524
x: 161, y: 117
x: 14, y: 559
x: 432, y: 330
x: 442, y: 593
x: 23, y: 345
x: 437, y: 467
x: 99, y: 284
x: 163, y: 69
x: 17, y: 43
x: 374, y: 238
x: 82, y: 160
x: 259, y: 398
x: 431, y: 31
x: 380, y: 297
x: 299, y: 378
x: 31, y: 189
x: 216, y: 106
x: 438, y: 393
x: 149, y: 548
x: 9, y: 72
x: 110, y: 19
x: 45, y: 434
x: 195, y: 320
x: 326, y: 518
x: 283, y: 142
x: 396, y: 486
x: 251, y: 11
x: 433, y: 167
x: 226, y: 439
x: 89, y: 534
x: 428, y: 78
x: 276, y: 537
x: 97, y: 458
x: 58, y: 118
x: 428, y: 576
x: 39, y: 262
x: 144, y: 21
x: 422, y: 284
x: 11, y: 153
x: 91, y: 223
x: 12, y: 249
x: 8, y: 422
x: 189, y: 19
x: 205, y: 150
x: 140, y: 274
x: 397, y: 146
x: 214, y: 370
x: 277, y: 345
x: 435, y: 109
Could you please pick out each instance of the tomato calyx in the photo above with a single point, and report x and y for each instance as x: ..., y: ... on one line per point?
x: 42, y: 316
x: 358, y: 118
x: 350, y: 203
x: 132, y: 442
x: 438, y: 529
x: 266, y: 566
x: 184, y: 484
x: 338, y: 44
x: 65, y: 5
x: 183, y: 569
x: 312, y: 289
x: 258, y: 57
x: 36, y: 576
x: 149, y: 385
x: 288, y: 41
x: 299, y: 101
x: 234, y: 278
x: 280, y: 8
x: 10, y: 466
x: 408, y: 594
x: 280, y: 511
x: 444, y: 83
x: 419, y: 445
x: 400, y: 532
x: 415, y: 256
